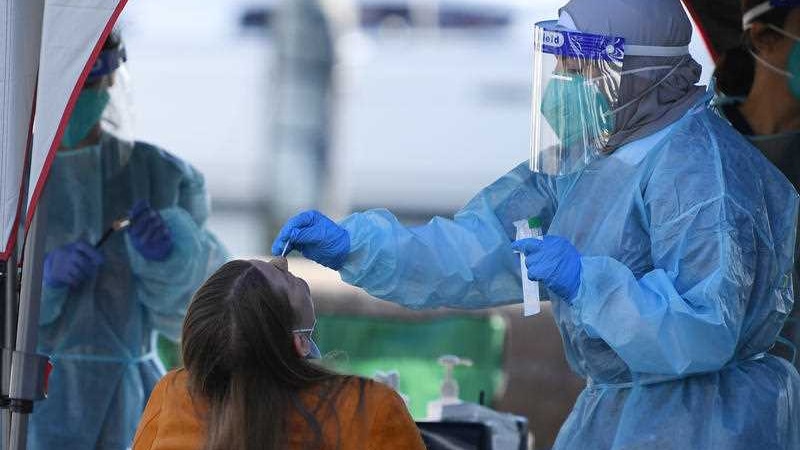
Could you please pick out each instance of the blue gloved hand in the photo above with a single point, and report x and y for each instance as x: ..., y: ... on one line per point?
x: 317, y: 237
x: 553, y: 261
x: 149, y: 233
x: 71, y: 265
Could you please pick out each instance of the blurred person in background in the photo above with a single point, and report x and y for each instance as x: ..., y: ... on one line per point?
x: 668, y: 246
x: 759, y: 87
x: 303, y: 84
x: 106, y: 295
x: 250, y: 382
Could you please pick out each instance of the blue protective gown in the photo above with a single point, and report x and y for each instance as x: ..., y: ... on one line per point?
x: 100, y: 335
x: 783, y: 150
x: 687, y: 239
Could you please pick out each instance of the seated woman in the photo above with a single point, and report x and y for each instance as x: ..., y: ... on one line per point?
x: 248, y: 382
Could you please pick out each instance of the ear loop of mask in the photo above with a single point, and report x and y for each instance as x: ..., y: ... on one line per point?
x: 651, y: 88
x: 768, y: 64
x: 303, y: 331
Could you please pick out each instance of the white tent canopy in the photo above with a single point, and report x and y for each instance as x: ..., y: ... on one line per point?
x: 20, y: 23
x: 49, y: 49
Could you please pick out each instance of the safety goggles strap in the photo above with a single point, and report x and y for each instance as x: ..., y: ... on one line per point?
x: 657, y: 51
x: 751, y: 14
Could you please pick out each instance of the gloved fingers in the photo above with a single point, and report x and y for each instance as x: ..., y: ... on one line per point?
x: 304, y: 219
x: 78, y: 270
x: 72, y: 277
x: 533, y: 263
x: 283, y: 237
x: 139, y: 208
x: 77, y: 273
x: 155, y: 232
x: 163, y: 235
x: 138, y: 227
x: 290, y: 232
x: 542, y: 266
x: 278, y: 244
x: 163, y: 239
x: 558, y: 243
x: 92, y: 255
x: 527, y: 246
x: 145, y: 222
x: 308, y: 235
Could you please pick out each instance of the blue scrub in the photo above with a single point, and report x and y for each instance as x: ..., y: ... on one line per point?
x: 100, y: 335
x: 687, y: 240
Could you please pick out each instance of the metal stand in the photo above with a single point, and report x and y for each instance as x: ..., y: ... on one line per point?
x: 8, y: 307
x: 28, y: 371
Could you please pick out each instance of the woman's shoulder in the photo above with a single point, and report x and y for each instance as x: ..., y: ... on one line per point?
x: 379, y: 416
x: 157, y: 412
x: 346, y: 388
x: 366, y: 387
x: 357, y: 396
x: 174, y: 379
x: 173, y: 391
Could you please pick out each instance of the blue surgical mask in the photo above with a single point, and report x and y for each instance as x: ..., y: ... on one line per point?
x: 85, y: 115
x: 576, y: 110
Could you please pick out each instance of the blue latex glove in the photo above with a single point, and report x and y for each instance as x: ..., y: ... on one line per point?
x: 553, y: 261
x: 317, y: 237
x: 149, y: 233
x: 71, y: 265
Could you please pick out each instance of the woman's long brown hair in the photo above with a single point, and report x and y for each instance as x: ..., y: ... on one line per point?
x: 238, y: 350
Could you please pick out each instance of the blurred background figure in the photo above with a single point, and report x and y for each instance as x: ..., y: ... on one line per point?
x: 305, y: 34
x: 758, y: 84
x: 126, y: 248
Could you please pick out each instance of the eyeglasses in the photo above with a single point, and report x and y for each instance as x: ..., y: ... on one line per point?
x: 303, y: 330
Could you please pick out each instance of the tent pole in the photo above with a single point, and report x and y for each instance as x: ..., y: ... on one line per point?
x: 27, y: 368
x: 8, y: 293
x: 19, y: 432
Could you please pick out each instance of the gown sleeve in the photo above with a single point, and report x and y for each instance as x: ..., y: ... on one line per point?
x: 166, y: 287
x: 464, y: 262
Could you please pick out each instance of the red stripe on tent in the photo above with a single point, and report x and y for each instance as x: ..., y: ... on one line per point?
x: 51, y: 154
x: 703, y: 32
x: 12, y: 240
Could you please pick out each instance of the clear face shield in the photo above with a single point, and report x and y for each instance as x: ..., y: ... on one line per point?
x: 576, y: 78
x: 117, y: 118
x: 105, y: 99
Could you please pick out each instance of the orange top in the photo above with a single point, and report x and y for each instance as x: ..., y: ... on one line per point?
x: 172, y: 421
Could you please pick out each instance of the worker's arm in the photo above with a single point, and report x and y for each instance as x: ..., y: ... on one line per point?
x: 165, y: 287
x: 66, y: 269
x: 466, y: 262
x: 52, y: 303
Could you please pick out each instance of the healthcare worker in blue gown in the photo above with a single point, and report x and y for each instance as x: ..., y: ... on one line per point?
x: 668, y: 243
x: 102, y: 304
x: 759, y: 93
